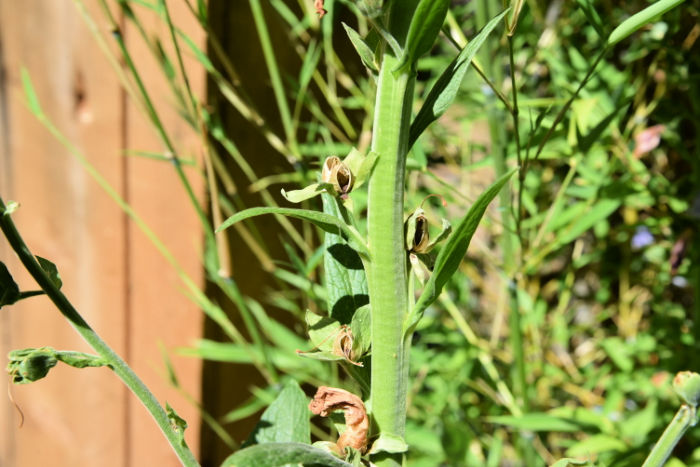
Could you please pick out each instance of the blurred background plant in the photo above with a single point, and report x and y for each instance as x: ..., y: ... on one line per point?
x: 577, y: 301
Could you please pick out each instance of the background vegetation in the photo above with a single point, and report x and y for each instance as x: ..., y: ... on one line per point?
x: 577, y: 301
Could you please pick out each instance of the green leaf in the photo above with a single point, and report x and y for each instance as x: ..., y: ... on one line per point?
x: 424, y: 29
x: 596, y: 444
x: 29, y: 365
x: 51, y: 270
x: 389, y: 443
x: 297, y: 196
x: 286, y: 420
x: 536, y: 422
x: 361, y: 327
x: 345, y: 280
x: 30, y: 94
x: 363, y: 50
x: 276, y: 454
x: 9, y: 290
x: 322, y: 331
x: 644, y: 17
x: 453, y: 252
x: 178, y: 423
x: 445, y: 88
x: 324, y: 221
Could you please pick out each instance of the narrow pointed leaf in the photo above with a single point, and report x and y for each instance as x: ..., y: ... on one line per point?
x: 363, y: 50
x: 644, y: 17
x: 454, y: 250
x: 277, y: 454
x: 424, y: 29
x: 30, y: 94
x: 445, y: 89
x: 326, y: 222
x: 297, y: 196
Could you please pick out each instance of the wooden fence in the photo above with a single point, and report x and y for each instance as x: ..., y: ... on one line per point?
x: 112, y: 273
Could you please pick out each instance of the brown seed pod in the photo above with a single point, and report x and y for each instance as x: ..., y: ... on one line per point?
x: 328, y: 399
x: 343, y: 345
x: 337, y: 174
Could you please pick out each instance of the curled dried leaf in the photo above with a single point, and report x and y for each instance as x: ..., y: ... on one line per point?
x: 329, y: 399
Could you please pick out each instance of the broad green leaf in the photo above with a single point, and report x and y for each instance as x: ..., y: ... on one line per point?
x: 277, y: 454
x: 600, y: 211
x: 389, y: 443
x: 422, y: 32
x: 286, y: 420
x: 619, y: 353
x: 536, y: 422
x: 51, y: 270
x: 363, y: 50
x: 9, y: 290
x: 644, y: 17
x: 446, y: 87
x: 345, y: 279
x: 322, y: 331
x: 30, y: 94
x: 453, y: 251
x: 324, y: 221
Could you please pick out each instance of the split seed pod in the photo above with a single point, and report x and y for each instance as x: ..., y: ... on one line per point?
x: 417, y: 237
x: 337, y: 174
x: 343, y: 345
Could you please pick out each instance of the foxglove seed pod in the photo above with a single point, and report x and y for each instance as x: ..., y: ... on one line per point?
x: 337, y: 174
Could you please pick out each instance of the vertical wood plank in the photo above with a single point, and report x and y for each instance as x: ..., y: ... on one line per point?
x: 110, y: 272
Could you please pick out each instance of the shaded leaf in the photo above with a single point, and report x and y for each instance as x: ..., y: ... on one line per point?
x: 297, y: 196
x: 445, y: 88
x: 276, y: 454
x: 9, y: 290
x: 51, y: 270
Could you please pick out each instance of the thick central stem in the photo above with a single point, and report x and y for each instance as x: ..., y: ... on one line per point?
x: 387, y: 266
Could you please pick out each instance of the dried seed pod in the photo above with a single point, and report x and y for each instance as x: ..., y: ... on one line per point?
x: 417, y: 237
x: 328, y: 399
x: 337, y: 174
x: 343, y: 345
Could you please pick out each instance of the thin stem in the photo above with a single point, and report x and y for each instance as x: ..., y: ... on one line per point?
x: 125, y: 373
x: 685, y: 418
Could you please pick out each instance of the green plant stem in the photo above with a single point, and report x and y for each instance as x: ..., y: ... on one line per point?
x: 685, y: 418
x: 387, y: 279
x: 119, y: 366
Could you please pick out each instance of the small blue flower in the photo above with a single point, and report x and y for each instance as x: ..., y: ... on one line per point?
x: 642, y: 237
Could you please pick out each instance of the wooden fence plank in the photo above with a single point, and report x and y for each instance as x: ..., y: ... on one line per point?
x: 124, y: 290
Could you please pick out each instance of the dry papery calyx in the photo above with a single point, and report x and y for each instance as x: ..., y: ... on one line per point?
x: 337, y: 174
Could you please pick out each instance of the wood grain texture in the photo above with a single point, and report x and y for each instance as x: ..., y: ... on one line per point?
x: 111, y: 272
